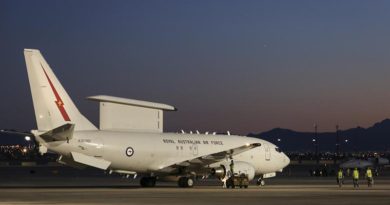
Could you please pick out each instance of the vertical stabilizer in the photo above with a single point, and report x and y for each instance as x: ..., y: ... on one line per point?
x: 53, y: 106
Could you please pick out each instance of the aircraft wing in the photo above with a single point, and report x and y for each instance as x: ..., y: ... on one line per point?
x: 205, y: 160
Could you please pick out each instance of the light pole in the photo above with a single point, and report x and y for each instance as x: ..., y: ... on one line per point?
x: 337, y: 154
x: 315, y: 140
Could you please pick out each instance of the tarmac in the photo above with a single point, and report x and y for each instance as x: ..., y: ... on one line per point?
x: 63, y: 186
x: 273, y: 194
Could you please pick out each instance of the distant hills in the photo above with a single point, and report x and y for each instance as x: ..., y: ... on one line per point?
x: 374, y: 138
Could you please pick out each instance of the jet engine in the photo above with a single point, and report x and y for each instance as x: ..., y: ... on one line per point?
x: 219, y: 172
x: 239, y: 168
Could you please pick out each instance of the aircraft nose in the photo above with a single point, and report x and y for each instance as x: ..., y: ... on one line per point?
x: 286, y: 160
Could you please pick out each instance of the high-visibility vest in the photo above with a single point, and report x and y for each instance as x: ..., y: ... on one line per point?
x: 355, y: 174
x: 369, y: 173
x: 340, y: 175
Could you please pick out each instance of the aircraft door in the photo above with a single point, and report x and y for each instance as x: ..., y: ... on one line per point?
x: 195, y: 149
x: 267, y: 152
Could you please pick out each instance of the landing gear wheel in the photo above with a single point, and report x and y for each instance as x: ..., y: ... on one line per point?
x: 148, y: 182
x: 260, y: 182
x: 185, y: 182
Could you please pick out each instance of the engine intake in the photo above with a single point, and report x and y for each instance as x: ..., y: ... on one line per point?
x: 219, y: 172
x: 239, y: 168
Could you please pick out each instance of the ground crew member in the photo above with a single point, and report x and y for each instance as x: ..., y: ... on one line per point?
x: 355, y: 177
x: 229, y: 173
x: 340, y: 177
x: 369, y: 177
x: 232, y: 167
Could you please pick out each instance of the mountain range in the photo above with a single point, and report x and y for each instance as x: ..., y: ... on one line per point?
x: 374, y: 138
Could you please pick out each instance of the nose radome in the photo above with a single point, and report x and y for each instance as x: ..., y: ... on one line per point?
x: 286, y: 160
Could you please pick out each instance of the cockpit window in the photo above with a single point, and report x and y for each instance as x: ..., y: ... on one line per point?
x: 278, y: 149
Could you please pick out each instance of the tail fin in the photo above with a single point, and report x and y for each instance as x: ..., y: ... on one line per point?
x: 53, y: 106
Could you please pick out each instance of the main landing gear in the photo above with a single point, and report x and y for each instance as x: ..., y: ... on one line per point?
x: 185, y: 182
x: 182, y: 182
x: 148, y: 181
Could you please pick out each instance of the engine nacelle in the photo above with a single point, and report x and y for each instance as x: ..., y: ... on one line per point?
x: 244, y: 168
x: 219, y: 172
x: 239, y: 168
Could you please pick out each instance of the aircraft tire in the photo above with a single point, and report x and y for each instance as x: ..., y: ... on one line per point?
x: 185, y: 182
x: 260, y: 182
x: 148, y: 182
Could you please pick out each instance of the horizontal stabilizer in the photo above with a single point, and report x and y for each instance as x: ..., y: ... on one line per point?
x: 69, y: 162
x: 12, y: 132
x: 90, y: 161
x: 62, y: 133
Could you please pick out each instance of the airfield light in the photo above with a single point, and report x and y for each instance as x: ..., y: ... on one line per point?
x: 346, y: 141
x: 314, y: 140
x: 279, y: 140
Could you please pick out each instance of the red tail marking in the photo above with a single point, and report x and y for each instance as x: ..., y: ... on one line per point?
x: 58, y: 101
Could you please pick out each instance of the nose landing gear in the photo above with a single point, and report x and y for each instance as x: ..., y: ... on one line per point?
x: 260, y: 181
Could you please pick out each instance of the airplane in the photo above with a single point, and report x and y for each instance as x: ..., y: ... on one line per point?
x: 130, y: 138
x: 372, y: 162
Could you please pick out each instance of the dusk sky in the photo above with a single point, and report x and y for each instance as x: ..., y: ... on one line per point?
x: 244, y: 66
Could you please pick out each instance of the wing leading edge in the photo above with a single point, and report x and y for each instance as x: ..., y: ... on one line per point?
x: 205, y: 160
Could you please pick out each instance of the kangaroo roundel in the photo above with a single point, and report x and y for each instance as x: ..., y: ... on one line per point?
x: 129, y: 151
